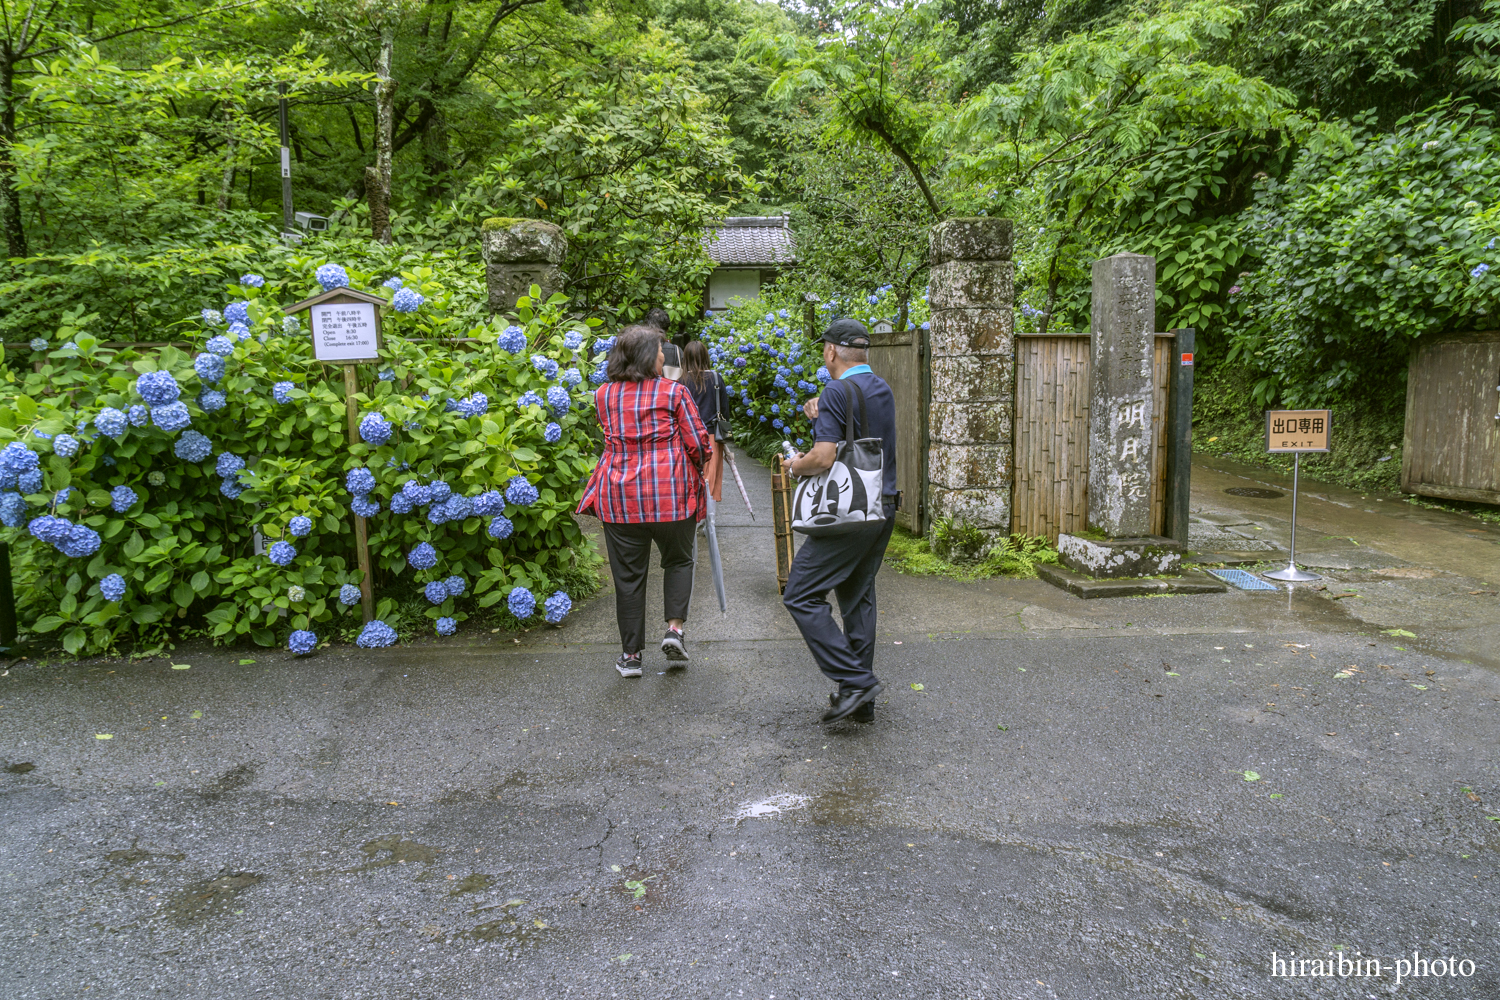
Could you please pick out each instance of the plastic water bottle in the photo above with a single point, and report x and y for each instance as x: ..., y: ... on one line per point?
x: 787, y: 451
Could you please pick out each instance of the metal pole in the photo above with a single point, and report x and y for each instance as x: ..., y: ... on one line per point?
x: 1292, y: 574
x: 361, y: 533
x: 1180, y: 435
x: 286, y: 161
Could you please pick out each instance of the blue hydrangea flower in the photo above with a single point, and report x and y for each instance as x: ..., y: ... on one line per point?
x: 122, y: 498
x: 458, y: 507
x: 332, y: 276
x: 605, y: 345
x: 252, y: 281
x: 220, y: 345
x: 212, y: 317
x: 489, y: 503
x: 65, y: 445
x: 553, y: 433
x: 479, y: 404
x: 349, y: 595
x: 512, y: 340
x: 520, y: 492
x: 61, y: 497
x: 435, y: 592
x: 193, y: 447
x: 571, y: 377
x: 386, y: 375
x: 558, y: 606
x: 374, y: 429
x: 545, y: 365
x: 394, y: 284
x: 501, y: 527
x: 231, y: 488
x: 455, y: 585
x: 291, y: 325
x: 282, y: 553
x: 600, y: 373
x: 158, y: 388
x: 211, y: 401
x: 522, y: 603
x: 422, y: 556
x: 739, y: 362
x: 299, y: 526
x: 238, y: 312
x: 112, y: 587
x: 210, y: 367
x: 926, y: 325
x: 282, y: 392
x: 572, y: 340
x: 359, y: 480
x: 302, y: 642
x: 777, y: 424
x: 48, y: 528
x: 439, y: 491
x: 12, y: 509
x: 401, y: 504
x: 376, y: 635
x: 1480, y: 270
x: 529, y: 398
x: 446, y: 626
x: 558, y: 400
x: 364, y: 506
x: 228, y: 464
x: 80, y: 543
x: 822, y: 374
x: 239, y: 331
x: 39, y: 344
x: 764, y: 418
x: 438, y: 513
x: 138, y: 415
x: 417, y: 493
x: 407, y: 300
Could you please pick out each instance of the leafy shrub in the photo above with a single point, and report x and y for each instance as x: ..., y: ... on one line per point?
x: 218, y: 457
x: 771, y: 366
x: 1013, y: 555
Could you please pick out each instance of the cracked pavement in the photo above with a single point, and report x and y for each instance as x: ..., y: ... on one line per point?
x: 1111, y: 798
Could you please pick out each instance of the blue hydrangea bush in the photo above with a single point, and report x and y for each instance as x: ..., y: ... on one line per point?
x: 771, y: 366
x: 132, y: 508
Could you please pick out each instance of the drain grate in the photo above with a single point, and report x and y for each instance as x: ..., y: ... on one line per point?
x: 1255, y: 492
x: 1241, y: 579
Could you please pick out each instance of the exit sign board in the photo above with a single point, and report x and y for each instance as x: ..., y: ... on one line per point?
x: 1298, y: 430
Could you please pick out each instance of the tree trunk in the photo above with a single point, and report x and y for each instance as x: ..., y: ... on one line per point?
x: 436, y: 158
x: 378, y: 177
x: 226, y: 186
x: 10, y: 197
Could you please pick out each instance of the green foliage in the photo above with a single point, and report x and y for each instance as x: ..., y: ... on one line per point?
x: 185, y: 546
x: 965, y: 556
x: 1361, y: 254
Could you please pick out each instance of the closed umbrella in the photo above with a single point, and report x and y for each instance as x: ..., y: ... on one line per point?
x: 714, y: 563
x: 738, y: 481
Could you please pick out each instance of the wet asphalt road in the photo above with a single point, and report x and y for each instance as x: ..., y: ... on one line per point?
x: 1061, y: 811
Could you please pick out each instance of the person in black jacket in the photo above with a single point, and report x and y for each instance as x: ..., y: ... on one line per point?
x: 712, y: 398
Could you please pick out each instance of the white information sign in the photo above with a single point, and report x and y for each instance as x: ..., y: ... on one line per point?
x: 345, y: 331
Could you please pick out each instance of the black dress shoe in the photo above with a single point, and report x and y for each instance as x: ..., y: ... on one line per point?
x: 864, y: 713
x: 846, y: 703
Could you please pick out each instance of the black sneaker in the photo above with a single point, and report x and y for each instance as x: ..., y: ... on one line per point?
x: 629, y: 666
x: 672, y: 645
x: 864, y: 713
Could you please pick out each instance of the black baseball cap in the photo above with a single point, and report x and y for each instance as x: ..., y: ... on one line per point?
x: 847, y: 333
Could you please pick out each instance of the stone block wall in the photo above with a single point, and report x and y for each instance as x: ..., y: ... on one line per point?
x: 972, y: 359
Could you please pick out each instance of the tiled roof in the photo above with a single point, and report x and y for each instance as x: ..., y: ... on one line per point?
x: 746, y: 240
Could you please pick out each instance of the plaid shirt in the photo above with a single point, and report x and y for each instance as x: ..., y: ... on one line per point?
x: 654, y: 449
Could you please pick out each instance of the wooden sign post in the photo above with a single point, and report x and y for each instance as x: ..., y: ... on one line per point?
x: 1296, y: 431
x: 346, y: 332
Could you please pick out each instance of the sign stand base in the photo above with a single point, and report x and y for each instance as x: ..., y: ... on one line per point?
x: 361, y: 534
x: 1292, y: 574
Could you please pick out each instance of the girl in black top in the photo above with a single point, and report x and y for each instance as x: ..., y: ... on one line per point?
x: 712, y: 397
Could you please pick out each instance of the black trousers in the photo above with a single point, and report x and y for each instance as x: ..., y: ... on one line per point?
x: 629, y: 547
x: 845, y: 564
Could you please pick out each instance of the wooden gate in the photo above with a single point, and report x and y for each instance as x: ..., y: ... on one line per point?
x: 898, y: 358
x: 1452, y: 441
x: 1050, y: 492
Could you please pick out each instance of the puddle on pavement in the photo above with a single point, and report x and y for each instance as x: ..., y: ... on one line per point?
x: 772, y: 806
x: 513, y: 927
x: 1254, y: 492
x: 478, y: 882
x: 849, y: 805
x: 210, y: 898
x: 25, y: 767
x: 397, y: 851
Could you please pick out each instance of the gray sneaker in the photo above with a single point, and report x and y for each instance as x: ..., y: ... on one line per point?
x: 674, y: 648
x: 629, y: 666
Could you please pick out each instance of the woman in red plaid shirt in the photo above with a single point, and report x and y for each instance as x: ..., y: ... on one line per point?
x: 647, y: 487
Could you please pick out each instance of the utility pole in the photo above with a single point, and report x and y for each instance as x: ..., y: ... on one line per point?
x: 286, y: 162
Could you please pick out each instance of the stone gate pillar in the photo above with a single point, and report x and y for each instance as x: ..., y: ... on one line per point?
x: 972, y: 372
x: 519, y: 253
x: 1121, y: 395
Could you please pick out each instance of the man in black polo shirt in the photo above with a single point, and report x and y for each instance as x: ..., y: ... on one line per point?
x: 844, y: 563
